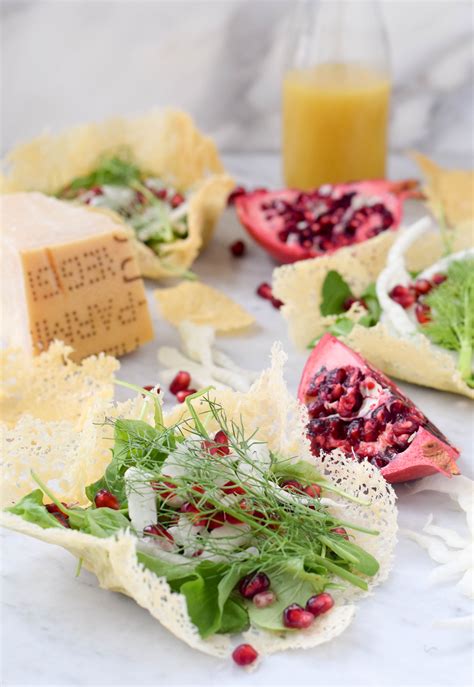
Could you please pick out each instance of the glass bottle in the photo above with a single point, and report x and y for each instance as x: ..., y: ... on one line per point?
x: 336, y: 93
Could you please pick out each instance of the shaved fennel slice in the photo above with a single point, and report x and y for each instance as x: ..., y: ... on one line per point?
x: 444, y: 545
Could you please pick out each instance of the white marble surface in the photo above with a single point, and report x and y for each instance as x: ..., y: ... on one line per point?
x: 70, y: 61
x: 62, y: 631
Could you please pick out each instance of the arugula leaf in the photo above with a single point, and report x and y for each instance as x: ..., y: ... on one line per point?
x: 291, y: 584
x: 335, y: 292
x: 113, y: 171
x: 452, y: 314
x: 135, y: 442
x: 32, y: 509
x: 100, y: 522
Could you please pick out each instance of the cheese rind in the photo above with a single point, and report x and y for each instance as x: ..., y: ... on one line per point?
x: 86, y: 291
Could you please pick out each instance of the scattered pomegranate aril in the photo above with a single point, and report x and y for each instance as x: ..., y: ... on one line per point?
x: 276, y: 302
x: 265, y: 291
x: 403, y: 295
x: 244, y: 655
x: 319, y: 604
x: 254, y: 583
x: 237, y: 249
x: 438, y: 278
x: 222, y: 444
x: 216, y: 520
x: 297, y: 618
x: 158, y: 530
x: 264, y: 599
x: 181, y: 396
x: 423, y: 313
x: 104, y: 499
x: 180, y: 382
x: 369, y: 419
x: 422, y: 287
x: 236, y: 193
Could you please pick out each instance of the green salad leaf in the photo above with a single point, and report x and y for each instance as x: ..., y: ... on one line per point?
x: 113, y: 171
x: 452, y: 315
x: 335, y: 293
x: 31, y: 508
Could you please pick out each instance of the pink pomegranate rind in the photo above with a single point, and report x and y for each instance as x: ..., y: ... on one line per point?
x: 332, y: 386
x: 273, y: 218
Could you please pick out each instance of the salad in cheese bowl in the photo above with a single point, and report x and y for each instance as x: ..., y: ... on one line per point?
x: 219, y: 521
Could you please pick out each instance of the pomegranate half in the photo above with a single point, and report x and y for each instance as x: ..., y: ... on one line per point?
x: 355, y: 408
x: 295, y: 225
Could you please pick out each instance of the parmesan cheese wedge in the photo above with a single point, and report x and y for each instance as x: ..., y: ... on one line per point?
x: 68, y: 273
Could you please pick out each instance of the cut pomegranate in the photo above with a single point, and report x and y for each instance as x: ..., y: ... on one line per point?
x: 180, y: 382
x: 319, y: 604
x: 244, y: 655
x: 237, y: 249
x: 297, y: 618
x: 252, y: 584
x: 236, y: 193
x: 295, y: 225
x: 264, y: 599
x: 355, y: 408
x: 181, y: 396
x: 158, y: 530
x: 104, y: 499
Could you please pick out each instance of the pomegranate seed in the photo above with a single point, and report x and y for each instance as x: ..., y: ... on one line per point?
x: 265, y: 291
x: 423, y: 313
x: 297, y: 618
x: 222, y: 441
x: 215, y: 521
x: 422, y: 287
x: 190, y: 508
x: 232, y: 520
x: 63, y: 519
x: 151, y: 387
x: 181, y: 396
x: 176, y: 200
x: 313, y: 490
x: 232, y: 488
x: 158, y: 530
x: 104, y: 499
x: 197, y: 488
x: 349, y: 302
x: 237, y: 249
x: 164, y: 489
x: 180, y: 382
x: 402, y: 295
x: 276, y: 303
x: 292, y: 485
x: 197, y: 553
x: 319, y: 604
x: 264, y: 599
x: 438, y: 278
x: 341, y: 532
x: 252, y: 584
x: 236, y: 193
x: 244, y: 655
x: 53, y: 508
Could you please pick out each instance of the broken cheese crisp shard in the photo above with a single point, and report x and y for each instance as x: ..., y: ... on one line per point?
x: 450, y: 191
x: 69, y: 273
x: 202, y: 305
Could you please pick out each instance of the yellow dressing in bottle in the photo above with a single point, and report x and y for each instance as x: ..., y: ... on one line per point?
x: 334, y: 124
